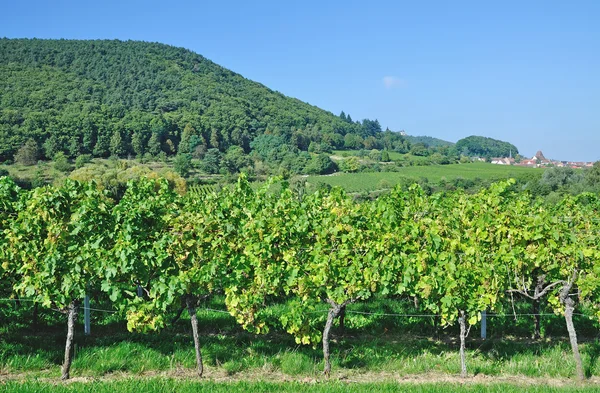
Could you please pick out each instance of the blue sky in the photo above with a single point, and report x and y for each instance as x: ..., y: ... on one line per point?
x: 523, y: 71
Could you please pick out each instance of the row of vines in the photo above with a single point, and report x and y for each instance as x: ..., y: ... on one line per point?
x: 457, y: 253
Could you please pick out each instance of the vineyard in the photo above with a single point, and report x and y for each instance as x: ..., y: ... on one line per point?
x: 357, y: 182
x: 283, y: 260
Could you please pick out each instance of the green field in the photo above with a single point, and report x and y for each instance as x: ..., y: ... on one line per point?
x: 394, y: 156
x: 355, y: 182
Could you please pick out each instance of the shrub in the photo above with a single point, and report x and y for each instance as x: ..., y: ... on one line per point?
x: 61, y: 163
x: 83, y: 159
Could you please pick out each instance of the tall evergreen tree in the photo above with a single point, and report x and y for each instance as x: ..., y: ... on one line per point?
x: 116, y: 144
x: 137, y: 143
x: 154, y: 144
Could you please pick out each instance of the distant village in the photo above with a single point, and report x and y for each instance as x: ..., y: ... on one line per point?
x: 539, y: 161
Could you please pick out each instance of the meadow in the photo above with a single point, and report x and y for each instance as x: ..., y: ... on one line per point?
x: 369, y: 181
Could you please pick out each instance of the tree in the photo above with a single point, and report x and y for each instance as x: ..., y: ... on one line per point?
x: 350, y: 164
x: 51, y: 146
x: 116, y: 144
x: 75, y: 147
x: 212, y: 161
x: 154, y: 144
x: 235, y: 159
x: 371, y: 143
x: 385, y: 156
x: 352, y: 141
x: 28, y: 154
x: 320, y: 165
x: 61, y: 163
x: 485, y: 147
x: 185, y: 145
x: 137, y: 143
x: 215, y: 139
x: 103, y: 144
x: 56, y: 244
x: 183, y: 164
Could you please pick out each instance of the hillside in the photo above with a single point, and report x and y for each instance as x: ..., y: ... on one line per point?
x: 120, y: 98
x: 428, y: 141
x: 485, y: 147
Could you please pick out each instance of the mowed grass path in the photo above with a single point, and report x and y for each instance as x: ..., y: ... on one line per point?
x: 355, y: 182
x: 181, y: 386
x: 184, y: 386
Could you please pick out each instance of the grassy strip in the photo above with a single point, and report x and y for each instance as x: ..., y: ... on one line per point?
x: 390, y: 345
x: 235, y: 355
x: 180, y: 386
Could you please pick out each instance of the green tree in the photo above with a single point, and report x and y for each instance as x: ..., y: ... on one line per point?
x: 385, y: 156
x: 117, y: 148
x: 154, y: 144
x: 51, y: 146
x: 103, y: 144
x: 215, y: 139
x: 137, y: 143
x: 320, y: 165
x: 75, y: 146
x: 28, y: 154
x: 185, y: 145
x: 212, y: 161
x: 183, y: 164
x: 61, y: 162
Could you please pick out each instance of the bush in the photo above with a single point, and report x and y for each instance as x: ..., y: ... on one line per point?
x: 83, y: 159
x: 61, y: 163
x: 385, y: 156
x: 320, y: 165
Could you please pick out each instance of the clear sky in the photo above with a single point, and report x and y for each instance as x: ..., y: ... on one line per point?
x: 527, y: 71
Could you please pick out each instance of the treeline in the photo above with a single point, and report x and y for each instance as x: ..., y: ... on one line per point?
x: 113, y: 98
x: 455, y: 253
x: 556, y: 182
x: 485, y: 147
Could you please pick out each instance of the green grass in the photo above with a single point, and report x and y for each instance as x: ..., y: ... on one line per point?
x: 356, y: 182
x: 375, y: 345
x: 394, y: 156
x: 181, y: 386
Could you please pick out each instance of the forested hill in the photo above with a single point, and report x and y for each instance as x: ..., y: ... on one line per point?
x: 105, y: 97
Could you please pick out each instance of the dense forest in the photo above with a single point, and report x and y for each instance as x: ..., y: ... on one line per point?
x: 485, y: 147
x: 115, y: 98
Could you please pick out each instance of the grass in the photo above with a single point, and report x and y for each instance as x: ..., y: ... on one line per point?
x: 378, y: 345
x: 182, y: 386
x: 356, y: 182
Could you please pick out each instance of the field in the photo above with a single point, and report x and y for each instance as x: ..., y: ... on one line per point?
x: 356, y: 182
